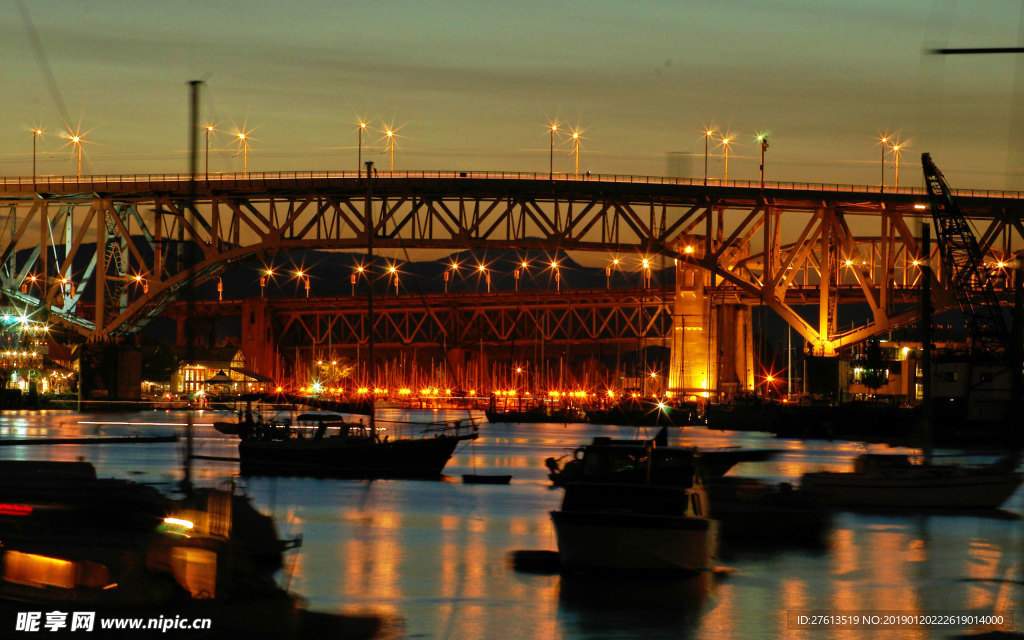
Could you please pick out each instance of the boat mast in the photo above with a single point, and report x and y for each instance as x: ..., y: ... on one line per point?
x: 193, y: 163
x: 926, y: 341
x: 370, y: 231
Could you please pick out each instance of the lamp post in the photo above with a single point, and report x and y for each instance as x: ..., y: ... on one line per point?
x: 576, y: 152
x: 558, y: 279
x: 267, y: 274
x: 209, y: 130
x: 35, y: 136
x: 519, y: 271
x: 359, y: 160
x: 707, y: 136
x: 551, y: 154
x: 487, y: 276
x: 390, y: 133
x: 896, y: 152
x: 763, y: 139
x: 725, y: 143
x: 76, y: 140
x: 245, y: 153
x: 449, y: 272
x: 608, y: 272
x: 358, y: 272
x: 881, y: 187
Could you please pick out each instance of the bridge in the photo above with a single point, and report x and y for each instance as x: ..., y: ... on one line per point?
x: 143, y: 241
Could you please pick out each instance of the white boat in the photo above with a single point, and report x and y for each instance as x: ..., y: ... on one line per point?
x: 887, y: 481
x: 635, y: 526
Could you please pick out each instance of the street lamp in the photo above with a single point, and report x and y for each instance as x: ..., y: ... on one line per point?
x: 551, y: 155
x: 451, y: 270
x: 896, y: 152
x: 76, y: 140
x: 393, y: 270
x: 707, y: 136
x: 35, y: 136
x: 487, y: 276
x: 558, y: 280
x: 267, y: 274
x: 763, y: 139
x: 608, y: 272
x: 522, y: 268
x: 359, y: 157
x: 304, y: 277
x: 390, y: 133
x: 725, y: 143
x: 576, y: 151
x: 245, y: 153
x: 881, y: 187
x: 358, y: 272
x: 646, y: 271
x: 209, y: 130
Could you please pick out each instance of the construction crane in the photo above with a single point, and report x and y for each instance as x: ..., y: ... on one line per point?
x: 964, y: 266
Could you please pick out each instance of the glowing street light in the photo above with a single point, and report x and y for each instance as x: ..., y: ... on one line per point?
x: 576, y: 151
x: 707, y: 136
x: 522, y: 268
x: 390, y: 133
x: 359, y: 157
x: 884, y: 141
x: 725, y: 143
x: 452, y: 269
x: 646, y: 270
x: 608, y: 272
x: 209, y: 130
x: 896, y: 153
x: 763, y: 139
x: 304, y: 277
x: 76, y: 141
x: 36, y: 133
x: 482, y: 269
x: 267, y: 274
x: 551, y: 155
x: 358, y: 272
x: 393, y: 271
x: 558, y: 280
x: 244, y: 140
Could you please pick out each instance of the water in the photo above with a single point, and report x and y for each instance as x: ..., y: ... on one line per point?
x: 436, y: 553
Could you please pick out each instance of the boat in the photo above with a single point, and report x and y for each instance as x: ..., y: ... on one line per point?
x: 76, y: 542
x: 890, y: 481
x: 639, y: 524
x: 323, y: 444
x: 750, y: 510
x: 611, y: 459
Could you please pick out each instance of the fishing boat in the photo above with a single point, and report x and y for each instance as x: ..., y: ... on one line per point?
x: 887, y: 481
x: 75, y: 542
x: 607, y: 459
x: 329, y: 445
x: 638, y: 524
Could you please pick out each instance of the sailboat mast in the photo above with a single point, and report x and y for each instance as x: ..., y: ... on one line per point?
x: 926, y: 340
x: 370, y: 231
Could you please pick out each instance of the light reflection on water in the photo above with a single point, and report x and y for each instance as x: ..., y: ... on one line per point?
x: 436, y: 553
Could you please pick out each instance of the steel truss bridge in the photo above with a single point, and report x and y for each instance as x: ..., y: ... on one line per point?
x: 144, y: 240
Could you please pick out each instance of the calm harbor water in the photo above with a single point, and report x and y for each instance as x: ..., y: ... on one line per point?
x: 435, y: 554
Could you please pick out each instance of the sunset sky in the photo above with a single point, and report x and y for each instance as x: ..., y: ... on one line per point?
x: 473, y: 85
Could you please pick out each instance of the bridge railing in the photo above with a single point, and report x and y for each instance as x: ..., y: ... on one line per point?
x: 90, y: 183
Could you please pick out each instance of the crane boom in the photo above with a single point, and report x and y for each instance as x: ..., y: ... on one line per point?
x: 964, y: 266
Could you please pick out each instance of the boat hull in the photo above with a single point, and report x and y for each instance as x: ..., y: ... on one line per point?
x: 336, y: 457
x: 616, y: 541
x: 917, y: 490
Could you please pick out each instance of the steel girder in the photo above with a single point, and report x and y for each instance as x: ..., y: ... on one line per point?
x: 759, y: 243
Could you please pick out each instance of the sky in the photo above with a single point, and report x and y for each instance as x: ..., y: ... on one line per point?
x: 474, y: 85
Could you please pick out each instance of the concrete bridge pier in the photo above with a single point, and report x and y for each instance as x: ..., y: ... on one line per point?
x: 712, y: 353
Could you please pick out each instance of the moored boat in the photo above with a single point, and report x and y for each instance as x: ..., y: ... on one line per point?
x: 635, y: 526
x: 888, y: 481
x: 335, y: 447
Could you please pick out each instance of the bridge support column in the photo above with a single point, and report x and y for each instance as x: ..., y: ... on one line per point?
x: 712, y: 344
x: 258, y: 338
